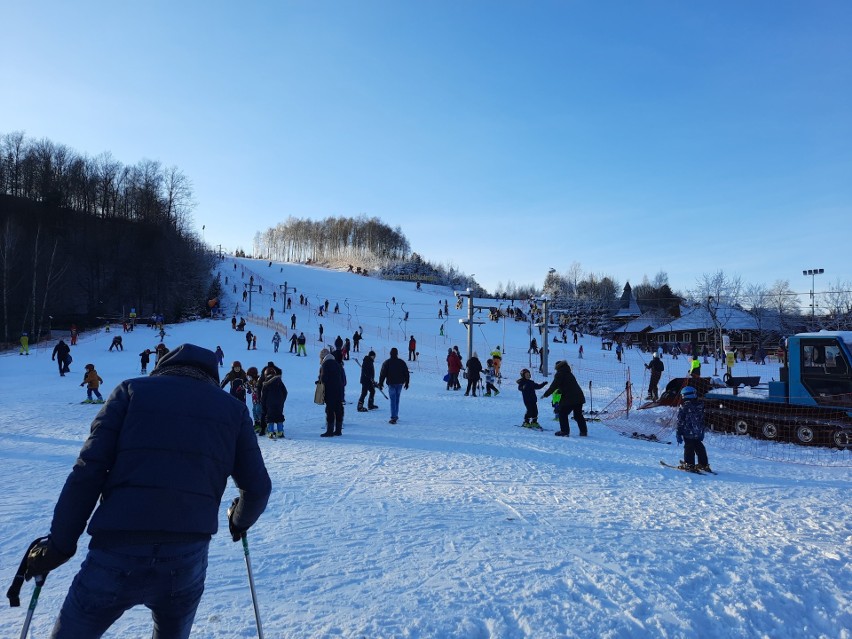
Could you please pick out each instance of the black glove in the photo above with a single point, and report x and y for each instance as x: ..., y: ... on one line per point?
x: 43, y: 558
x: 406, y: 387
x: 236, y: 532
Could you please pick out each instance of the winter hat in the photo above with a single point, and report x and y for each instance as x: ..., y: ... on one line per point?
x: 192, y: 355
x: 371, y: 354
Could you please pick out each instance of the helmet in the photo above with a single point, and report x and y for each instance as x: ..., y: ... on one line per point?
x: 689, y: 393
x: 525, y: 370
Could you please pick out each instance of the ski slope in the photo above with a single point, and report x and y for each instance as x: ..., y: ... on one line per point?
x: 454, y: 522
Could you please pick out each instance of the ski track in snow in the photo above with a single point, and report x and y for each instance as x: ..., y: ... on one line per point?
x: 454, y: 522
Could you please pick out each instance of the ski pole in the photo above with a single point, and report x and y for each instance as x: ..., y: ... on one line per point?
x: 39, y: 581
x: 15, y: 589
x: 251, y: 585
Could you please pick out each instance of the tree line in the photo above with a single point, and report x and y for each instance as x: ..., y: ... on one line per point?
x: 366, y: 242
x: 85, y: 239
x: 56, y: 175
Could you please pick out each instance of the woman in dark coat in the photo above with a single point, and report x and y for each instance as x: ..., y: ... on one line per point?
x: 273, y: 396
x: 331, y: 376
x: 474, y: 369
x: 572, y: 399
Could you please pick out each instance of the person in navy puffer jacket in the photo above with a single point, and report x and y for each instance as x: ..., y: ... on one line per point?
x: 155, y: 465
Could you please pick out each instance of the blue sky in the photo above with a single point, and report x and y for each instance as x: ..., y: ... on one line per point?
x: 505, y: 138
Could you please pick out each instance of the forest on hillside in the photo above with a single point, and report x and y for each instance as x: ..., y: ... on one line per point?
x: 83, y: 239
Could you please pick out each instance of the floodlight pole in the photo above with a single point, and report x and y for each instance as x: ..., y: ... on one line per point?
x: 813, y: 272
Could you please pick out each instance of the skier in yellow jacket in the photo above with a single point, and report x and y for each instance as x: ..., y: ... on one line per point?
x: 92, y: 380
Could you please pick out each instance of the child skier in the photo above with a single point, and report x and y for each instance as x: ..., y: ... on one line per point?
x: 690, y: 431
x: 144, y: 358
x: 93, y: 380
x: 554, y: 403
x: 252, y: 379
x: 490, y: 375
x: 528, y: 390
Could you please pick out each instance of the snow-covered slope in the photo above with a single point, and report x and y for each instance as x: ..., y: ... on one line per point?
x: 453, y: 522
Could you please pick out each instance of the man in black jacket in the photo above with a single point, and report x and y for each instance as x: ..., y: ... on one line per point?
x: 62, y: 354
x: 155, y: 512
x: 571, y: 400
x: 656, y: 367
x: 332, y: 377
x: 368, y: 383
x: 395, y: 371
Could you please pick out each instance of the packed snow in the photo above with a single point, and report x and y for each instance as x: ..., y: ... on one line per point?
x: 454, y: 522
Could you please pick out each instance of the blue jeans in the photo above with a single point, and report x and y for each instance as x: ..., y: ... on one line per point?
x: 394, y: 391
x: 166, y: 578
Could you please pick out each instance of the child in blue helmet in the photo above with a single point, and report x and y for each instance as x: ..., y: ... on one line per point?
x: 690, y: 430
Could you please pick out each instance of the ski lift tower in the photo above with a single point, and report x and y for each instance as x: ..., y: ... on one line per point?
x: 543, y: 326
x: 469, y: 321
x: 284, y: 292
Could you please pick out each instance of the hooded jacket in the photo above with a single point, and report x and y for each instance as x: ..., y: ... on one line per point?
x: 273, y: 397
x: 565, y: 382
x: 158, y: 480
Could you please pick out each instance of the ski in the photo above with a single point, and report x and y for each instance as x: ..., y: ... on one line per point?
x: 528, y: 427
x: 645, y: 438
x: 684, y: 470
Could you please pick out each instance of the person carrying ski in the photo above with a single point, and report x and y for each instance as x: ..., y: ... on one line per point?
x: 153, y: 518
x: 656, y: 367
x: 395, y: 371
x: 276, y: 341
x: 571, y: 400
x: 368, y: 383
x: 690, y: 430
x: 490, y: 375
x: 91, y: 380
x: 528, y: 388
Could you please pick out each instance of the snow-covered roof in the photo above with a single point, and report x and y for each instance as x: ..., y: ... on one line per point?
x: 627, y: 306
x: 649, y: 320
x: 728, y: 317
